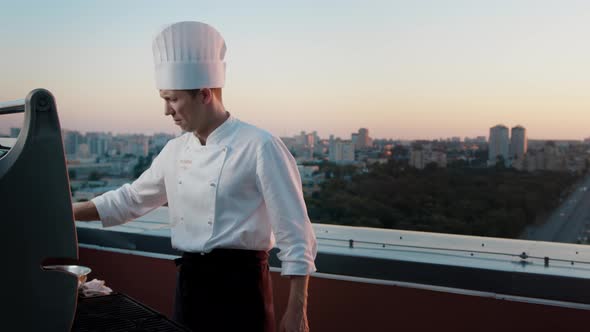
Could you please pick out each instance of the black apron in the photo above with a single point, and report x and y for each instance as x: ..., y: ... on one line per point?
x: 224, y: 290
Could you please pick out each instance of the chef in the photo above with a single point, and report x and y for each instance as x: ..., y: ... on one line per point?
x: 233, y: 192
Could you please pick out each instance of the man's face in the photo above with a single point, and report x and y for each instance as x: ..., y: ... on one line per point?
x: 185, y: 109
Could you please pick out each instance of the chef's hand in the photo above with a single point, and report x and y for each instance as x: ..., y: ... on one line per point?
x: 85, y: 211
x: 295, y: 318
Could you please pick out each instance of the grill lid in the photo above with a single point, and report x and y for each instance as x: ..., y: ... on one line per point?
x: 37, y: 221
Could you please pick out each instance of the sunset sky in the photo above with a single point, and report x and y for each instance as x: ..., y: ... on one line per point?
x: 404, y: 69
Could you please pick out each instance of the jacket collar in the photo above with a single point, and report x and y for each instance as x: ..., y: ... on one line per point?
x: 220, y: 133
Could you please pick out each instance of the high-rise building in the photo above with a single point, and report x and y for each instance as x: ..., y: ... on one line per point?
x: 301, y: 138
x: 83, y: 151
x: 309, y: 140
x: 341, y: 151
x: 316, y: 138
x: 347, y: 151
x: 137, y: 145
x: 354, y: 138
x: 518, y: 142
x: 499, y: 145
x: 332, y: 150
x: 289, y: 143
x: 363, y: 140
x: 420, y: 156
x: 417, y: 158
x: 97, y: 143
x: 301, y: 146
x: 476, y: 140
x: 71, y: 141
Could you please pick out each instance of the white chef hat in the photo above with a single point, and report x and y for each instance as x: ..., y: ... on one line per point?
x: 189, y: 55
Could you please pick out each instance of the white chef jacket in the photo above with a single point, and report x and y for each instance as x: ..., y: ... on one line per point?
x: 241, y: 190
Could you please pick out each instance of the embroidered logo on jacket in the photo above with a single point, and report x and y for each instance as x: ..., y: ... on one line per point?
x: 185, y: 164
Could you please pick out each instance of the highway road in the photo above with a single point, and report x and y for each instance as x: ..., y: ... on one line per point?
x: 570, y: 222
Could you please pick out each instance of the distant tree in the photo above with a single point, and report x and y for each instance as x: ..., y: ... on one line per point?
x: 500, y: 162
x: 317, y: 155
x: 431, y: 166
x: 400, y: 152
x: 473, y: 201
x: 72, y: 174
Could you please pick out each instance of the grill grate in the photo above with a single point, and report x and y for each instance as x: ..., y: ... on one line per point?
x: 118, y: 312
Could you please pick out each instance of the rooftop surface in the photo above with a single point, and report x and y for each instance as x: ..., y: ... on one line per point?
x: 508, y: 255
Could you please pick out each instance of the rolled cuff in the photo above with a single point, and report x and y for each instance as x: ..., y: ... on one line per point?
x: 297, y: 268
x: 106, y: 219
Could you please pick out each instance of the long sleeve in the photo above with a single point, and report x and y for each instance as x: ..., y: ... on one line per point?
x: 280, y: 183
x: 134, y: 200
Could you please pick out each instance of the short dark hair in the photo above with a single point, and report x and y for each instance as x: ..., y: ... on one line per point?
x: 195, y: 92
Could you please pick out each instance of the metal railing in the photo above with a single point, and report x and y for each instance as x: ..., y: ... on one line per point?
x: 10, y: 107
x: 391, y: 246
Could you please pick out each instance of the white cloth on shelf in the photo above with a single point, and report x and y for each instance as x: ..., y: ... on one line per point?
x: 95, y: 287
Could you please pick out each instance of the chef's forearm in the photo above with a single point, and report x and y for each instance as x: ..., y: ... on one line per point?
x: 298, y: 292
x: 85, y: 211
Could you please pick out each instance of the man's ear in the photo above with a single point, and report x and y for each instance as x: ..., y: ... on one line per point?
x: 206, y: 95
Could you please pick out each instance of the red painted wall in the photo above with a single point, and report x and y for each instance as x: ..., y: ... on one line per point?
x: 348, y: 306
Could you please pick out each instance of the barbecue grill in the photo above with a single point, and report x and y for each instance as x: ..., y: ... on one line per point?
x: 119, y: 313
x: 37, y: 221
x: 38, y: 226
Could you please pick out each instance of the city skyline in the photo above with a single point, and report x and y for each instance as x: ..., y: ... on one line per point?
x: 7, y: 132
x: 404, y: 70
